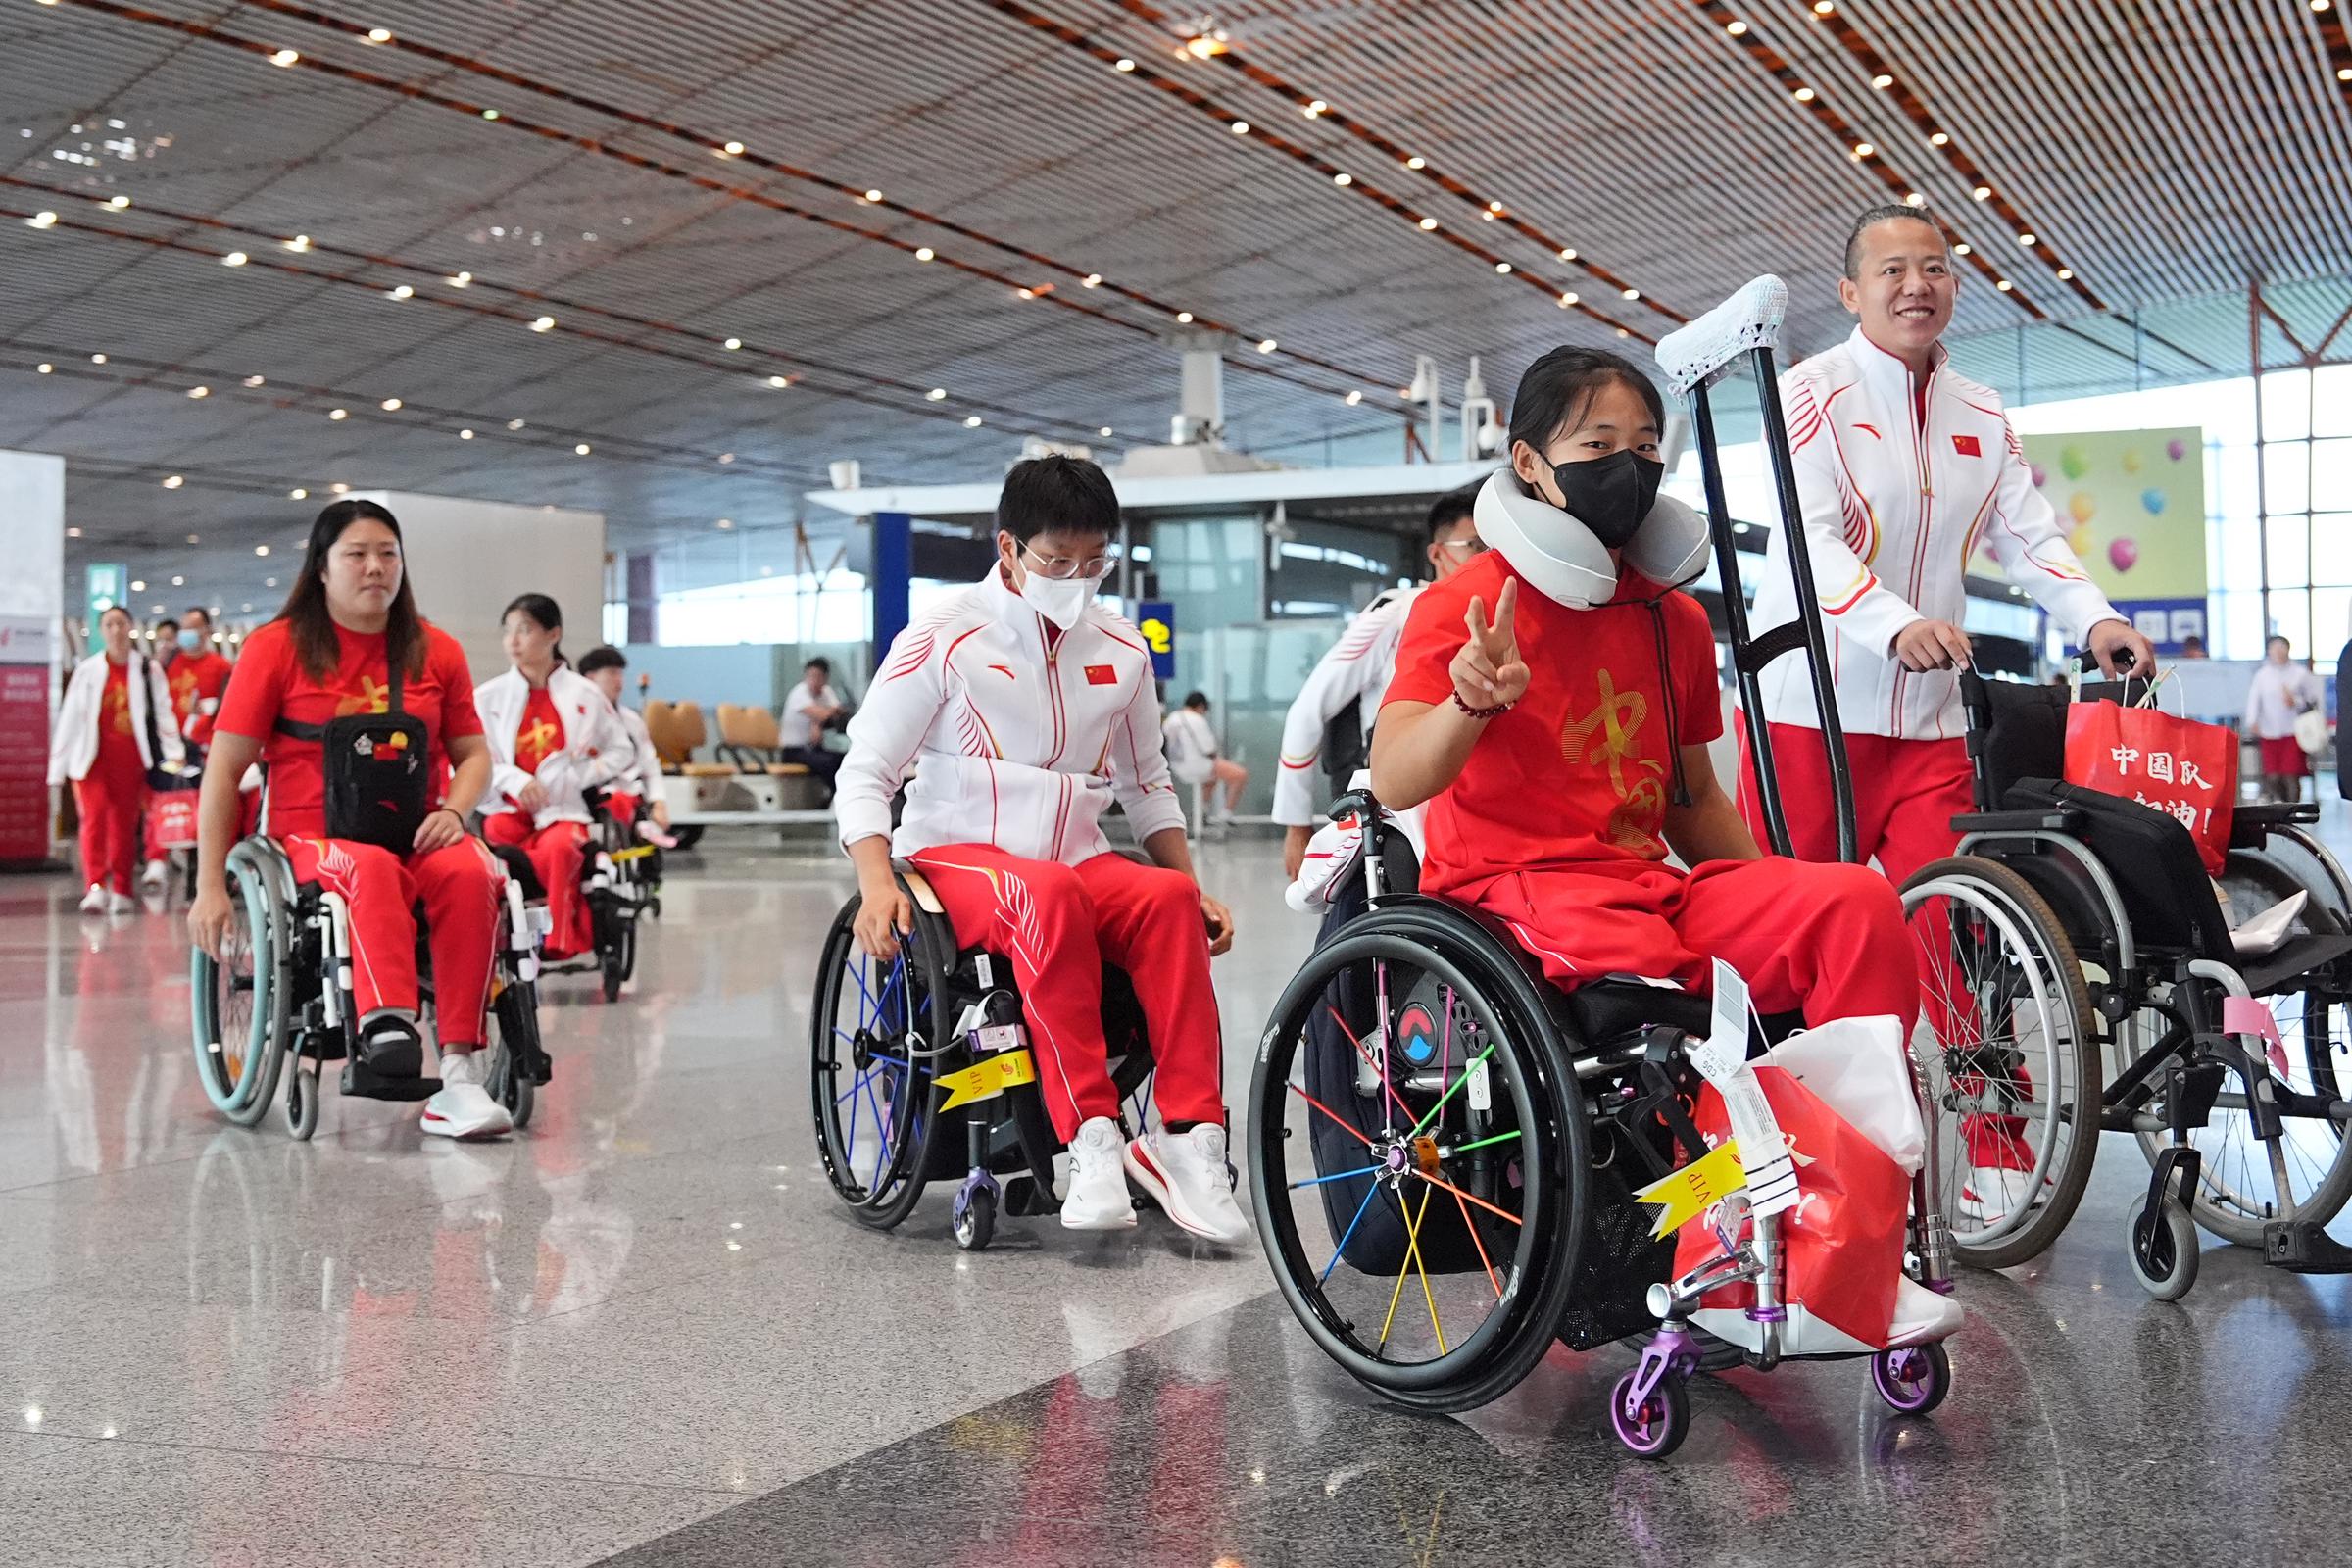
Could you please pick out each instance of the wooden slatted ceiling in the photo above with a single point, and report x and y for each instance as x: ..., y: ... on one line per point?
x: 2162, y: 147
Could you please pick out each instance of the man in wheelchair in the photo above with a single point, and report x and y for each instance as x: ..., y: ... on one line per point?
x: 1023, y: 708
x: 1561, y: 735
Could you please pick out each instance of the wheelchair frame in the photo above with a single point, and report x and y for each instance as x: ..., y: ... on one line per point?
x: 1627, y: 1086
x: 306, y: 932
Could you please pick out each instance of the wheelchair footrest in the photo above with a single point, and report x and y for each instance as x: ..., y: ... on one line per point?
x: 2304, y: 1247
x: 360, y: 1084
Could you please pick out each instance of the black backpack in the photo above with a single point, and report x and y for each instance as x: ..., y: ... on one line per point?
x: 378, y: 772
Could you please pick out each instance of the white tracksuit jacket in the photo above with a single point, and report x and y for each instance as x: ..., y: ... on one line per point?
x: 74, y: 743
x: 1010, y: 744
x: 596, y: 748
x: 643, y: 775
x: 1893, y: 509
x: 1358, y: 670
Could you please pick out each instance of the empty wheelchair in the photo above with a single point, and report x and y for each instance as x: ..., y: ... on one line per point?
x: 2081, y: 976
x: 282, y: 992
x: 919, y: 1073
x: 1444, y: 1149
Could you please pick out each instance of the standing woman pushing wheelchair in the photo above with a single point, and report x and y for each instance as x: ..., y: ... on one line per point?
x: 337, y: 699
x: 553, y: 737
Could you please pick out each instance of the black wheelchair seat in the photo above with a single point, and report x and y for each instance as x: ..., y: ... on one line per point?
x: 1610, y: 1009
x: 518, y: 867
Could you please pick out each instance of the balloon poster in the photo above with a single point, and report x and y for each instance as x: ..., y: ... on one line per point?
x: 2133, y: 505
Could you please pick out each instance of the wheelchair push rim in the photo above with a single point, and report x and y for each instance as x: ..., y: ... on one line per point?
x: 1456, y: 1143
x: 2007, y: 1060
x: 874, y: 1037
x: 235, y: 1003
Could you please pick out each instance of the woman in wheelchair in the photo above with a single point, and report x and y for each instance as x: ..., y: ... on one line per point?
x: 634, y: 799
x: 358, y: 711
x: 553, y: 737
x: 1024, y: 710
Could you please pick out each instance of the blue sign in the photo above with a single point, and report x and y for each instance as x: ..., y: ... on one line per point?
x: 1156, y: 618
x: 107, y: 585
x: 2166, y: 623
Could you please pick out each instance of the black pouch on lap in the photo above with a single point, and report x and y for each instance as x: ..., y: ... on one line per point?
x: 378, y: 774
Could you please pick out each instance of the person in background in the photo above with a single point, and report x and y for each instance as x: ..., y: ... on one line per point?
x: 1194, y: 756
x: 349, y: 622
x: 2194, y: 647
x: 634, y: 798
x: 553, y: 737
x: 108, y: 737
x: 1026, y: 709
x: 163, y: 643
x: 2283, y: 692
x: 197, y: 675
x: 809, y: 709
x: 1357, y: 670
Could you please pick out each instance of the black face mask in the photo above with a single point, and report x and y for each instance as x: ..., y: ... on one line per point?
x: 1610, y: 495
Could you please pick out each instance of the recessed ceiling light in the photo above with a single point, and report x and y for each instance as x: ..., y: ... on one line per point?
x: 1318, y: 107
x: 873, y: 195
x: 726, y: 522
x: 138, y: 587
x: 1503, y: 267
x: 465, y: 435
x: 779, y: 381
x: 43, y: 368
x: 733, y: 344
x: 582, y: 450
x: 514, y: 425
x: 236, y: 259
x: 1342, y: 177
x: 460, y: 279
x: 338, y: 413
x: 1353, y: 397
x: 1916, y: 199
x: 1735, y: 29
x: 268, y: 583
x: 489, y: 114
x: 1026, y: 293
x: 390, y: 405
x: 97, y: 359
x: 180, y: 582
x: 2066, y: 275
x: 1882, y: 81
x: 174, y: 483
x: 1428, y: 224
x: 117, y: 202
x: 1939, y: 139
x: 1630, y: 294
x: 1416, y: 162
x: 971, y: 421
x: 1568, y: 299
x: 1863, y: 149
x: 1109, y: 431
x: 200, y: 391
x: 2026, y: 240
x: 1240, y: 128
x: 923, y: 253
x: 937, y: 393
x: 286, y: 57
x: 1964, y: 248
x: 73, y: 533
x: 378, y: 36
x: 300, y: 242
x: 1803, y: 95
x: 1089, y: 281
x: 1266, y: 345
x: 544, y: 324
x: 1125, y: 63
x: 733, y: 149
x: 195, y: 539
x: 255, y: 380
x: 261, y: 549
x: 1982, y: 193
x: 43, y: 219
x: 726, y: 457
x: 298, y: 494
x: 340, y: 488
x: 2004, y: 285
x: 1568, y: 253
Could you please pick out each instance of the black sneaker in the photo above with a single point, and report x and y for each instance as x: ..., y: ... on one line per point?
x: 388, y: 1063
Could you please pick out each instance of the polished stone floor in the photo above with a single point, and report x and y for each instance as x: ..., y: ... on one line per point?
x: 645, y: 1332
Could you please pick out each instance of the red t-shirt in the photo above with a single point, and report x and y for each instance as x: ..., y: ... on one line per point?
x: 272, y: 684
x: 540, y: 735
x: 1581, y: 768
x: 194, y: 678
x: 118, y: 743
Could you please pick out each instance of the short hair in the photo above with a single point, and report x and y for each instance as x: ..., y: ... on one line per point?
x: 1196, y: 699
x: 1056, y: 495
x: 2192, y: 640
x: 2278, y: 637
x: 1450, y: 509
x: 820, y: 661
x: 1884, y: 213
x: 602, y: 657
x: 199, y: 610
x: 166, y: 621
x: 1559, y: 386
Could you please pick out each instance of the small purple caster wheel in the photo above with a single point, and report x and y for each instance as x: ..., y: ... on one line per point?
x: 1913, y: 1380
x: 1655, y: 1425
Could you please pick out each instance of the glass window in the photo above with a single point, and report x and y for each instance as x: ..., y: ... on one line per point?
x: 2332, y: 547
x: 2285, y: 404
x: 2289, y: 543
x: 2330, y: 622
x: 2238, y: 628
x: 2286, y: 476
x: 2290, y: 618
x: 2333, y: 390
x: 2331, y: 474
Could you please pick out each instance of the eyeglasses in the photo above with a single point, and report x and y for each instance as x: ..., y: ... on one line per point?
x: 1060, y: 570
x: 1469, y: 547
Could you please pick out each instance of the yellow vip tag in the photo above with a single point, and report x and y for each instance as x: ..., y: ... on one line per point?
x: 985, y: 1080
x: 635, y: 853
x: 1687, y: 1193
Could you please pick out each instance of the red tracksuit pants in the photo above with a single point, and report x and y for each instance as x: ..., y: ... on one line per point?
x: 1059, y: 924
x: 557, y: 852
x: 1828, y: 940
x: 111, y: 799
x: 459, y: 886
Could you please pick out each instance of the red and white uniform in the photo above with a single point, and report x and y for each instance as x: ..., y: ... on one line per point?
x: 457, y: 884
x: 1556, y: 825
x: 101, y: 747
x: 196, y: 681
x: 1357, y: 670
x: 566, y: 736
x: 1901, y: 482
x: 642, y: 777
x: 1019, y: 737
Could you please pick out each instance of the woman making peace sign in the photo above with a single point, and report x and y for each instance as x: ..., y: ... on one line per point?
x: 1562, y: 738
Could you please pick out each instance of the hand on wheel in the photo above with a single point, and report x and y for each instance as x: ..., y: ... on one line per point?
x: 883, y: 916
x: 208, y: 920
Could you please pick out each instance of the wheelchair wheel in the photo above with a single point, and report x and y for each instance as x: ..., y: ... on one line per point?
x: 1420, y: 1229
x: 875, y: 1036
x: 302, y: 1100
x: 239, y: 1005
x: 2007, y: 1060
x: 513, y: 1079
x: 2163, y: 1248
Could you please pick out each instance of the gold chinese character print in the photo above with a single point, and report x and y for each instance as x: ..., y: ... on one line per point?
x: 1609, y: 737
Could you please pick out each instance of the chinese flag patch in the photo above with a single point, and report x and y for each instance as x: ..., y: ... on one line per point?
x: 1102, y: 675
x: 1966, y: 446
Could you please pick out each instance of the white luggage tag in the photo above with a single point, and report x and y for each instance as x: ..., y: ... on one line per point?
x: 1722, y: 1062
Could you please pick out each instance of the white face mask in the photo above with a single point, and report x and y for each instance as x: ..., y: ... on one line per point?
x: 1060, y: 602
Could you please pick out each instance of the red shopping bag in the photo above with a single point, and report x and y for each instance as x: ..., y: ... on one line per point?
x: 2185, y: 769
x: 1844, y: 1242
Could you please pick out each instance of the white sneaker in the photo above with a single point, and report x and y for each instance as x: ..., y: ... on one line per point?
x: 120, y: 904
x: 463, y: 1108
x: 1097, y: 1198
x: 1990, y: 1194
x: 94, y: 900
x: 1921, y: 1315
x: 152, y: 874
x: 1185, y: 1172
